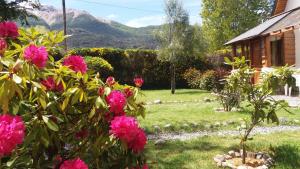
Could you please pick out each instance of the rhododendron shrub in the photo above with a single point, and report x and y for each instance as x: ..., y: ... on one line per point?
x: 56, y: 114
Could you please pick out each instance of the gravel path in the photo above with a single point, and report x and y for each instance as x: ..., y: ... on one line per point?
x: 189, y: 136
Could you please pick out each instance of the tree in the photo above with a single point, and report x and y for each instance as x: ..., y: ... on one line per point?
x: 225, y: 19
x: 258, y: 96
x: 16, y: 10
x: 175, y: 37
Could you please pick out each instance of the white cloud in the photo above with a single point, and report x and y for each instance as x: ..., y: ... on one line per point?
x: 112, y: 16
x: 146, y: 21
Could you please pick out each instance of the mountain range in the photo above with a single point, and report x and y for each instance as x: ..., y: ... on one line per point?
x: 87, y: 30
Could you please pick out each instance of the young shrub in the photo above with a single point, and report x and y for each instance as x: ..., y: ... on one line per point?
x: 209, y: 80
x: 192, y: 77
x: 56, y: 114
x: 258, y: 96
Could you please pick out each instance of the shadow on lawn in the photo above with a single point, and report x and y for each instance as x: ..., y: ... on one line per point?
x: 176, y: 155
x: 287, y: 156
x: 192, y: 92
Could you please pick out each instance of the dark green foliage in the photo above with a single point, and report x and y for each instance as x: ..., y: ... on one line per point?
x: 12, y: 10
x: 98, y: 65
x: 193, y: 77
x: 225, y: 19
x: 145, y: 63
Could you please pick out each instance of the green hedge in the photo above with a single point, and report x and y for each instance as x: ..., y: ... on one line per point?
x: 138, y: 62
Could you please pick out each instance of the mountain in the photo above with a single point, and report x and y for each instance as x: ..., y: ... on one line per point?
x: 89, y: 31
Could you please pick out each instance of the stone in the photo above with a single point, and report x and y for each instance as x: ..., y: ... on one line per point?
x: 167, y: 126
x: 185, y: 125
x: 219, y: 110
x: 207, y: 100
x: 195, y: 124
x: 251, y: 155
x: 237, y: 154
x: 219, y: 158
x: 231, y: 122
x: 228, y: 157
x: 224, y: 123
x: 208, y: 126
x: 231, y: 153
x: 262, y: 167
x: 157, y: 102
x: 224, y: 164
x: 217, y: 124
x: 283, y: 120
x: 159, y: 142
x: 156, y: 128
x: 259, y: 155
x: 265, y: 157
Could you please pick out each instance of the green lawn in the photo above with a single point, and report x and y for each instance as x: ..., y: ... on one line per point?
x: 199, y: 153
x: 193, y: 114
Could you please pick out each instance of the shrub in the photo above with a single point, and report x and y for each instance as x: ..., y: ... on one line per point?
x: 99, y: 65
x: 209, y: 80
x: 193, y: 77
x: 139, y: 62
x: 55, y: 114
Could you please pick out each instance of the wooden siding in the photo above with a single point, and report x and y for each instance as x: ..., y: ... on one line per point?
x: 256, y: 53
x: 289, y: 48
x: 280, y: 6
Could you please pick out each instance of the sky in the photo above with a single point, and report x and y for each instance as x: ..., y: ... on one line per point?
x: 134, y: 13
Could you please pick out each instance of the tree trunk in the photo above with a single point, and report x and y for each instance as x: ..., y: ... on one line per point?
x: 173, y: 78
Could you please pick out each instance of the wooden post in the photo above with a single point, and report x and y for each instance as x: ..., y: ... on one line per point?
x: 65, y: 23
x: 243, y: 50
x: 234, y: 51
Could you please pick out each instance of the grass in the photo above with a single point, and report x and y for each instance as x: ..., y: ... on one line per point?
x: 189, y: 108
x: 193, y: 114
x: 199, y: 153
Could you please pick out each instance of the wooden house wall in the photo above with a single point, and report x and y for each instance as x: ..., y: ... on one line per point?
x: 289, y: 48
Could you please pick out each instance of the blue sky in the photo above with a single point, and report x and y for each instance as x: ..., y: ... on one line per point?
x: 135, y: 13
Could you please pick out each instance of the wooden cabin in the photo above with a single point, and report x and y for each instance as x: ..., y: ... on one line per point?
x: 275, y: 42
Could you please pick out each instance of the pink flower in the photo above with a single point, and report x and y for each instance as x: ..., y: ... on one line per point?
x: 145, y: 166
x: 138, y: 82
x: 8, y: 30
x: 51, y: 85
x: 76, y: 63
x: 128, y: 92
x: 3, y: 46
x: 139, y: 142
x: 127, y: 130
x: 36, y: 55
x: 12, y: 132
x: 110, y: 81
x: 116, y: 101
x: 74, y: 164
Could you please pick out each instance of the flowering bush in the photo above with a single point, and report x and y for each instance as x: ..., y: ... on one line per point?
x: 55, y: 114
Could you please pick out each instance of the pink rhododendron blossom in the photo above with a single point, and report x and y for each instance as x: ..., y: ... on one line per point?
x: 12, y: 132
x: 128, y: 92
x: 138, y: 82
x: 74, y: 164
x: 116, y: 101
x: 110, y: 81
x: 8, y: 29
x: 76, y: 63
x: 145, y: 166
x: 51, y: 85
x: 139, y: 142
x: 3, y: 46
x: 127, y: 130
x: 36, y: 55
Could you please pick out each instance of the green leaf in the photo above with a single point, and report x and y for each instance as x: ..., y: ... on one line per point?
x: 51, y: 125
